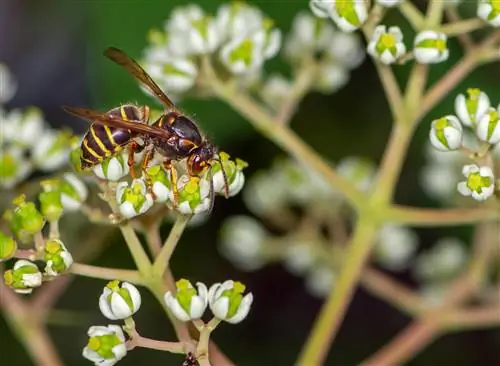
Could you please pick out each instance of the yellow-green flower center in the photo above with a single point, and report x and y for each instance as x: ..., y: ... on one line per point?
x: 8, y: 166
x: 235, y: 296
x: 346, y: 10
x: 387, y: 41
x: 124, y: 293
x: 184, y: 294
x: 243, y: 52
x: 476, y: 183
x: 103, y: 345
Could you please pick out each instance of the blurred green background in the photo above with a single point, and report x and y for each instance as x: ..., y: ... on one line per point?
x: 55, y: 49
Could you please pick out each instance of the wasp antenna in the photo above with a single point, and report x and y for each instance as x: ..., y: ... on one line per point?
x: 224, y: 176
x: 211, y: 192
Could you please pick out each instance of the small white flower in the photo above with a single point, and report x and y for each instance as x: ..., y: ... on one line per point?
x: 472, y: 108
x: 264, y: 193
x: 187, y: 303
x: 73, y: 192
x: 488, y: 127
x: 8, y: 84
x: 244, y: 53
x: 119, y: 300
x: 446, y: 133
x: 23, y: 277
x: 275, y: 90
x: 387, y: 46
x: 51, y: 150
x: 194, y: 195
x: 233, y: 171
x: 58, y: 258
x: 346, y: 48
x: 227, y: 302
x: 389, y: 3
x: 349, y: 15
x: 489, y: 11
x: 161, y: 183
x: 358, y: 170
x: 14, y: 166
x: 320, y: 281
x: 24, y: 128
x: 480, y: 183
x: 395, y: 247
x: 299, y: 257
x: 438, y: 181
x: 112, y: 169
x: 430, y: 47
x: 178, y: 75
x: 238, y: 18
x: 106, y: 345
x: 321, y: 8
x: 241, y: 242
x: 442, y: 261
x: 133, y: 200
x: 331, y: 77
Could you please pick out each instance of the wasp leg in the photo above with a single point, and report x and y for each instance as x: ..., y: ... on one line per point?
x: 167, y: 164
x: 133, y: 148
x: 147, y: 158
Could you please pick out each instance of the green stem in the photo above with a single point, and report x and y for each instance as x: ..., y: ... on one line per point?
x: 332, y: 312
x: 412, y: 14
x: 105, y: 273
x: 462, y: 27
x: 434, y: 13
x: 415, y: 90
x: 136, y: 250
x: 163, y: 259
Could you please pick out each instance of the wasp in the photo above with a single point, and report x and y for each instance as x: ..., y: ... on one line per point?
x: 173, y: 135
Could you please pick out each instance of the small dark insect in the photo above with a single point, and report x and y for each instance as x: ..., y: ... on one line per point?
x: 173, y: 134
x: 190, y: 360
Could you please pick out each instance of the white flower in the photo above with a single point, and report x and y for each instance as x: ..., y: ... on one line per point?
x: 51, y: 150
x: 480, y: 183
x: 438, y: 180
x: 442, y: 261
x: 358, y: 170
x: 395, y: 247
x: 194, y: 195
x: 321, y: 8
x: 389, y: 3
x: 178, y: 75
x: 161, y: 183
x: 430, y: 47
x: 245, y: 53
x: 106, y: 345
x: 190, y: 31
x: 14, y: 166
x: 472, y: 108
x: 346, y: 48
x: 331, y: 77
x: 133, y: 200
x: 23, y: 277
x: 387, y: 46
x: 238, y: 18
x: 299, y: 257
x: 73, y: 192
x: 446, y: 133
x: 349, y: 15
x: 112, y: 169
x: 320, y: 281
x: 233, y: 170
x: 23, y: 128
x: 488, y: 127
x: 119, y: 300
x: 8, y: 84
x: 241, y: 242
x: 489, y: 11
x: 187, y: 303
x: 58, y: 258
x: 264, y: 193
x: 275, y: 90
x: 227, y: 302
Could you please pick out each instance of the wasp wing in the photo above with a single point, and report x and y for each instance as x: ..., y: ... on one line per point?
x: 121, y: 58
x: 117, y: 122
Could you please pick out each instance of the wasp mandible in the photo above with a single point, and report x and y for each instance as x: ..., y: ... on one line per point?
x: 173, y: 134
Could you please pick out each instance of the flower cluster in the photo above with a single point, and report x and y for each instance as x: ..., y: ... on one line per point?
x: 27, y: 144
x: 447, y: 134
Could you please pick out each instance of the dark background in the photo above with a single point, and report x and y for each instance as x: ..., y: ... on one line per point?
x: 54, y: 48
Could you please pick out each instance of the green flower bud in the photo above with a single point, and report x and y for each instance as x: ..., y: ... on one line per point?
x: 50, y: 205
x: 8, y: 247
x: 58, y: 258
x: 25, y: 220
x: 23, y: 277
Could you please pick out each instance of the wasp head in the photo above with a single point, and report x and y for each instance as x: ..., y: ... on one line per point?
x: 199, y: 159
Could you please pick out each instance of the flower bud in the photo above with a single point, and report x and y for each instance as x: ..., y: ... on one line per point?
x: 8, y: 247
x: 58, y: 259
x: 179, y: 74
x: 331, y: 77
x: 321, y: 8
x: 193, y: 195
x: 187, y: 303
x: 274, y: 90
x: 349, y: 15
x: 430, y: 47
x: 358, y: 170
x: 480, y: 183
x: 395, y: 247
x: 299, y: 257
x: 234, y: 175
x: 320, y: 281
x: 52, y: 150
x: 23, y: 277
x: 162, y: 185
x: 244, y: 53
x: 471, y: 108
x: 489, y: 11
x: 50, y: 205
x: 488, y: 127
x: 119, y: 300
x: 29, y: 126
x: 227, y: 302
x: 238, y: 17
x: 112, y: 169
x: 106, y: 345
x: 446, y: 133
x: 14, y: 167
x: 133, y: 200
x: 387, y: 46
x: 25, y: 220
x: 72, y: 190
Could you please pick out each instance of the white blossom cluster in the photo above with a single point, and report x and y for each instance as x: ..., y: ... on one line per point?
x: 239, y: 38
x: 27, y: 143
x: 271, y: 194
x: 474, y: 129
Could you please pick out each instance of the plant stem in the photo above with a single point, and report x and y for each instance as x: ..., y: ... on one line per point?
x: 105, y: 273
x: 462, y: 27
x: 136, y: 250
x: 202, y: 354
x: 434, y: 13
x: 162, y: 260
x: 332, y: 312
x: 412, y: 14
